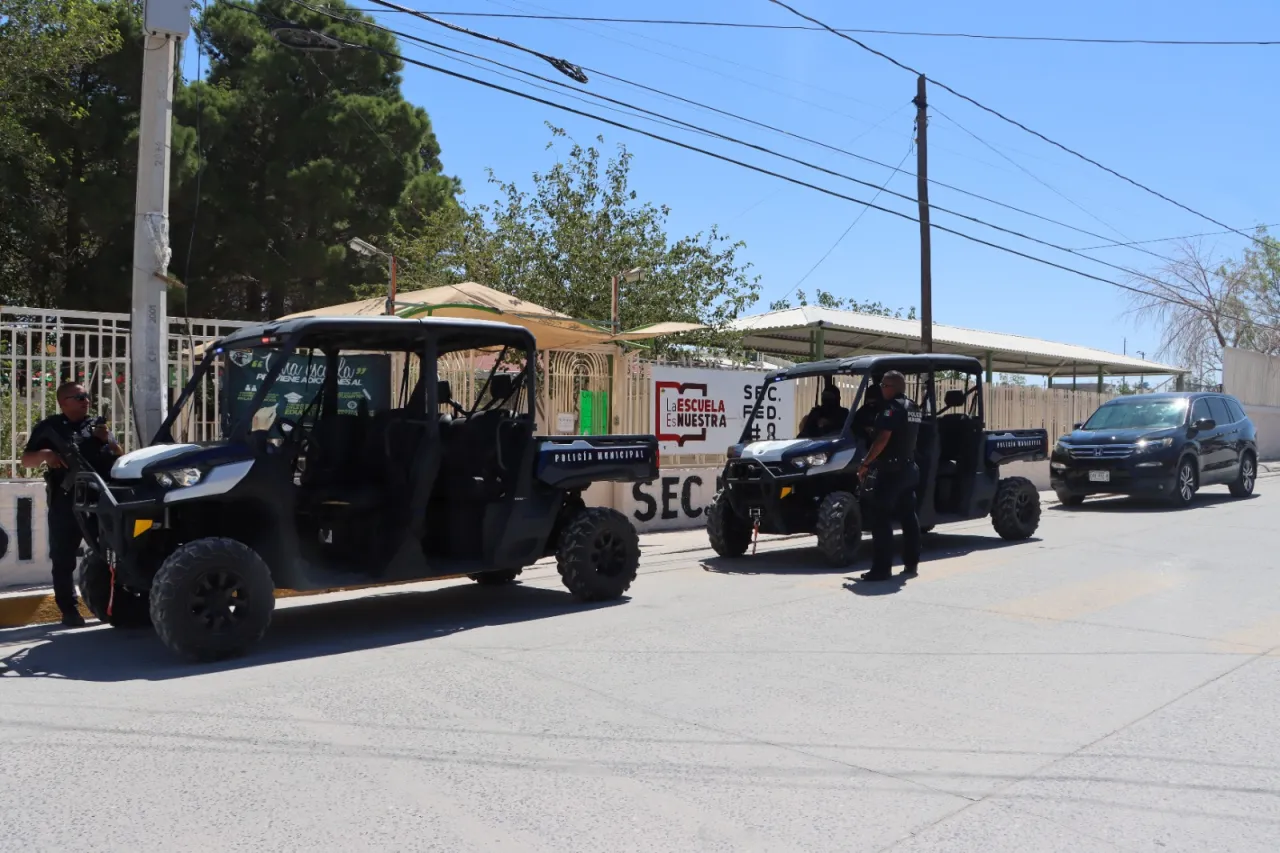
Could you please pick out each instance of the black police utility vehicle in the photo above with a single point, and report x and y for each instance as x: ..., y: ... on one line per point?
x: 314, y: 490
x: 809, y: 484
x: 1158, y: 445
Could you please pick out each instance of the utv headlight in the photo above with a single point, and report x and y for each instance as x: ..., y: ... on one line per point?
x: 1149, y: 444
x: 813, y: 460
x: 179, y: 477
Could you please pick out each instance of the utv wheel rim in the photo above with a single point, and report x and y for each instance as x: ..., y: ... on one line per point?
x: 220, y: 601
x: 1187, y: 483
x: 1022, y: 508
x: 609, y: 555
x: 1247, y: 475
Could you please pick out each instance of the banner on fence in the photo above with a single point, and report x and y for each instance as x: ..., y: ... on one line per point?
x: 703, y: 411
x: 359, y: 376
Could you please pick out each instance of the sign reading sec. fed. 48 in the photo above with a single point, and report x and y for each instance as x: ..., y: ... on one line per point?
x: 704, y: 411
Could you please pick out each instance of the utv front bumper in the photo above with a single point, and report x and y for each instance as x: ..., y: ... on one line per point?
x: 769, y: 493
x: 112, y: 517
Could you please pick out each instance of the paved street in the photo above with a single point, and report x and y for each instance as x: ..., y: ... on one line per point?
x: 1111, y: 685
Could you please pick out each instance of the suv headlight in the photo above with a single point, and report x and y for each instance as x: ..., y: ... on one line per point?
x: 179, y: 477
x: 1148, y: 444
x: 813, y: 460
x: 1061, y: 447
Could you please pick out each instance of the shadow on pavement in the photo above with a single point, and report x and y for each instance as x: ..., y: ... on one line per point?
x: 1127, y: 504
x: 297, y: 632
x: 809, y: 561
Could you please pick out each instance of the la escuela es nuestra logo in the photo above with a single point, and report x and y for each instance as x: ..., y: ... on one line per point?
x: 684, y: 412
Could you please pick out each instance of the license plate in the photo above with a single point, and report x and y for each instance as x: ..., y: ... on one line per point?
x: 1099, y: 476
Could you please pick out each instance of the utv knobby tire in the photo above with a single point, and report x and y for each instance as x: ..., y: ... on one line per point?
x: 128, y: 610
x: 729, y: 534
x: 496, y: 578
x: 598, y: 555
x: 839, y: 528
x: 1015, y: 514
x: 212, y: 599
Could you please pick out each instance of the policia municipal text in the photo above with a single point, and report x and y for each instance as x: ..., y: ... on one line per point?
x: 100, y: 449
x: 889, y: 477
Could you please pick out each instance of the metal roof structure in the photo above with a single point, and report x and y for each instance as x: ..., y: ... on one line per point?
x: 814, y: 332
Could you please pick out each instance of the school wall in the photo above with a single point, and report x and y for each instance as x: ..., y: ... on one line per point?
x: 24, y: 534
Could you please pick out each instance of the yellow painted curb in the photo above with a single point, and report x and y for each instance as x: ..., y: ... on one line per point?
x: 19, y: 611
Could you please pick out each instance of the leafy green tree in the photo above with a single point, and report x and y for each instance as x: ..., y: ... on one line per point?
x: 44, y: 45
x: 67, y: 219
x: 301, y: 152
x: 824, y: 299
x: 559, y: 244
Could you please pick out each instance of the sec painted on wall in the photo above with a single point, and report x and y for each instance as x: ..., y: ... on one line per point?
x: 677, y: 500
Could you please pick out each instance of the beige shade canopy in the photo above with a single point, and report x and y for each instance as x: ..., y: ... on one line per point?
x: 470, y: 300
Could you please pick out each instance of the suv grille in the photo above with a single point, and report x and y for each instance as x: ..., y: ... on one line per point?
x: 1101, y: 451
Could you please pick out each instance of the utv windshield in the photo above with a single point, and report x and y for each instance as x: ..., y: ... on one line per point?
x: 1144, y: 414
x: 805, y: 407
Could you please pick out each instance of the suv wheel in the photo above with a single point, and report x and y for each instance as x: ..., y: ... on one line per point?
x: 1185, y: 483
x: 1243, y: 485
x: 1015, y: 513
x: 212, y: 599
x: 498, y: 578
x: 729, y: 534
x: 128, y: 609
x: 839, y: 528
x: 599, y: 554
x: 1069, y: 499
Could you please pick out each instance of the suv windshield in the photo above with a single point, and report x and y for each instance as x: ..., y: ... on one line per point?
x: 1153, y: 414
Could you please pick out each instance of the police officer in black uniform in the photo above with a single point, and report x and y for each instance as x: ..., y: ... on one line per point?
x: 893, y: 493
x: 100, y: 449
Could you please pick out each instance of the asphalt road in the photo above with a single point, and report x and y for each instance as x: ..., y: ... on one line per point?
x: 1110, y: 685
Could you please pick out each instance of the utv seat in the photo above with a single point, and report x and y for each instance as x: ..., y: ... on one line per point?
x: 471, y: 466
x: 954, y: 433
x: 336, y: 471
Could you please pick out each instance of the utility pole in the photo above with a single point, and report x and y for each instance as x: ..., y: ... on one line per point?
x: 165, y: 24
x: 922, y: 194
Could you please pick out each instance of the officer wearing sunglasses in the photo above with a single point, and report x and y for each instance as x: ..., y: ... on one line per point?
x: 100, y: 448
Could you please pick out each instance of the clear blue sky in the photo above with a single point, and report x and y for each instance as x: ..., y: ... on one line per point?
x: 1192, y: 122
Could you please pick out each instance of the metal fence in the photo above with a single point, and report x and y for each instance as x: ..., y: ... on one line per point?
x: 41, y: 348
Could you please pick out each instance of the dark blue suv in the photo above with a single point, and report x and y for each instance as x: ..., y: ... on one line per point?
x: 1157, y: 445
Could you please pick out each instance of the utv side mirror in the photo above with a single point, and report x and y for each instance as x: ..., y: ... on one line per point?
x: 1204, y: 424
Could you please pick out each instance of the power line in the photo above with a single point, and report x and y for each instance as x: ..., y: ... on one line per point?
x: 1032, y: 175
x: 1011, y: 121
x: 739, y: 25
x: 603, y: 74
x: 668, y: 120
x: 760, y: 169
x: 855, y: 221
x: 1169, y: 239
x: 562, y: 65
